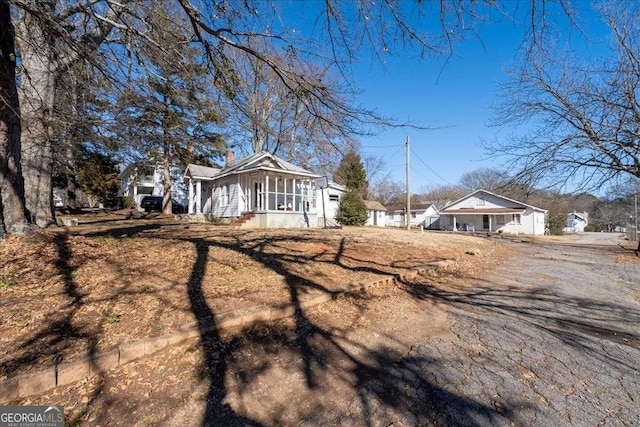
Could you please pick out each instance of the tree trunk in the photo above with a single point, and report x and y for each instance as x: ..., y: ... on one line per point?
x: 36, y: 100
x: 12, y: 208
x: 166, y: 201
x: 70, y: 172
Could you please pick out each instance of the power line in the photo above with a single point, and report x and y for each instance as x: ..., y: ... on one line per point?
x: 419, y: 172
x: 429, y: 167
x: 381, y: 146
x: 396, y: 152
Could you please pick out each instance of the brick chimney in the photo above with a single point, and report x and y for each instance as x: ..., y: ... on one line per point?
x: 229, y: 158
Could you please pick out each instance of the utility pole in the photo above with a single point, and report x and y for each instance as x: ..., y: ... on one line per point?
x: 635, y: 202
x: 408, y: 214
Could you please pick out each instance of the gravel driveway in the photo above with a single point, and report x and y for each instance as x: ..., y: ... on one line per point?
x: 551, y: 338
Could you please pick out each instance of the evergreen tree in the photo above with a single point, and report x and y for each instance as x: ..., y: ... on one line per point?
x: 352, y: 210
x: 170, y: 114
x: 351, y: 174
x: 98, y: 176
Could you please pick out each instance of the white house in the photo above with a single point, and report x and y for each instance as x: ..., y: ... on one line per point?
x: 261, y: 190
x: 422, y: 214
x: 138, y: 180
x: 576, y: 222
x: 328, y: 200
x: 485, y: 211
x: 376, y: 213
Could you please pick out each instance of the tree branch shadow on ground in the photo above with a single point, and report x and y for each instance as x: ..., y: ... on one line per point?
x: 369, y: 374
x: 320, y: 351
x: 579, y: 322
x: 61, y: 330
x: 217, y: 411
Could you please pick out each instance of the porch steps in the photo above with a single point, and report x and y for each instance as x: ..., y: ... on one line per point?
x: 238, y: 223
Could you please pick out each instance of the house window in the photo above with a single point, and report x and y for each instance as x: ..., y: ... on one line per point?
x: 224, y: 196
x: 500, y: 219
x: 481, y: 201
x: 334, y: 198
x: 516, y: 218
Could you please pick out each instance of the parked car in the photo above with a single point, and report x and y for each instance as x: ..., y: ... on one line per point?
x: 154, y: 203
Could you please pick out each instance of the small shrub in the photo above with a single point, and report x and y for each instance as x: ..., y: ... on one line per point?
x: 557, y: 223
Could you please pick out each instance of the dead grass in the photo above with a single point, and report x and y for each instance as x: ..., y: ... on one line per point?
x: 115, y: 279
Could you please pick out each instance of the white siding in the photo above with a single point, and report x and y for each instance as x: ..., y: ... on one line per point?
x: 376, y: 218
x: 480, y: 201
x: 324, y: 197
x: 531, y: 222
x: 475, y: 206
x: 230, y: 186
x: 423, y: 217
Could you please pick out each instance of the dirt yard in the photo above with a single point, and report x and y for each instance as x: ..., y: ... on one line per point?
x: 114, y: 280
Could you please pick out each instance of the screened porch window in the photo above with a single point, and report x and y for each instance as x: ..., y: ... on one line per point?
x: 289, y: 194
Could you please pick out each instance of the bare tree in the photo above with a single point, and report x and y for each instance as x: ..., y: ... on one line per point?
x: 586, y: 114
x: 51, y: 37
x: 610, y: 213
x: 442, y: 195
x: 262, y: 114
x: 388, y: 192
x: 12, y: 207
x: 486, y: 179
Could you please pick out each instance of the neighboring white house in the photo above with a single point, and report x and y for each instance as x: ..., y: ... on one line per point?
x: 138, y: 180
x: 485, y: 211
x: 376, y: 213
x: 263, y: 189
x: 328, y: 200
x: 422, y: 214
x: 576, y: 222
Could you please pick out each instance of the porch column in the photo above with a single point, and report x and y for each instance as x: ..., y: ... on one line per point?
x: 190, y: 196
x: 490, y: 223
x: 454, y: 223
x: 244, y: 187
x: 293, y: 190
x: 135, y: 196
x: 266, y: 192
x: 198, y: 196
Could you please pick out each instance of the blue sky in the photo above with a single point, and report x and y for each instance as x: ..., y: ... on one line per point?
x: 454, y: 97
x: 453, y: 94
